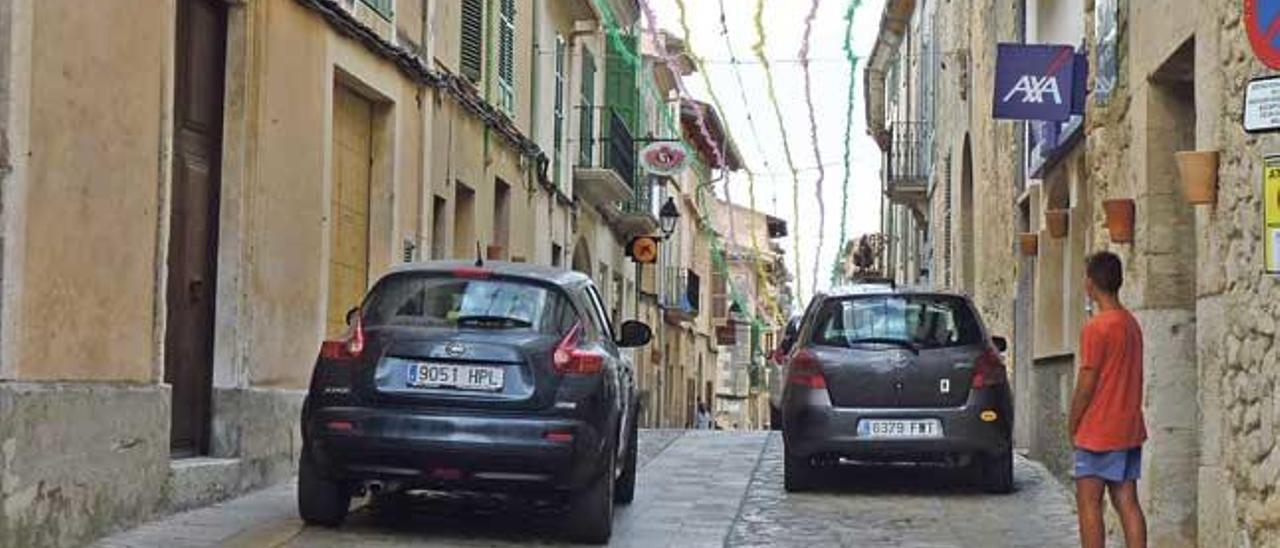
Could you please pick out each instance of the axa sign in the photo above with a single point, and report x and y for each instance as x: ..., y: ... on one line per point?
x: 1033, y: 89
x: 1038, y: 82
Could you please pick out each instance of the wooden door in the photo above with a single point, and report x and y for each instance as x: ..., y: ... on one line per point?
x: 349, y: 205
x: 193, y: 230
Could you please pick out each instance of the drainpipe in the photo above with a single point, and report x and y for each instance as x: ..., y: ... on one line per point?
x: 535, y: 81
x: 488, y: 72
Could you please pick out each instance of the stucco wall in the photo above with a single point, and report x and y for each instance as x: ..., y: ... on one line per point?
x: 86, y: 247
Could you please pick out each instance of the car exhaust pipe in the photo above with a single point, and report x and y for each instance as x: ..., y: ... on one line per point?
x: 374, y: 487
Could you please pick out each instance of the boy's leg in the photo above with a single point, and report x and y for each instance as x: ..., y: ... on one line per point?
x: 1089, y: 492
x: 1124, y: 496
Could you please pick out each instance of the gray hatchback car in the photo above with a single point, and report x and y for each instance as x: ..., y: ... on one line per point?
x: 882, y: 376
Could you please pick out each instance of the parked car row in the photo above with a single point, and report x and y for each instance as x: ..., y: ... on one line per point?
x: 509, y: 378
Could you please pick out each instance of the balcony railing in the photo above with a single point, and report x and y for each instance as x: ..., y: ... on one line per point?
x: 620, y: 150
x: 642, y: 200
x: 683, y: 290
x: 907, y: 162
x: 616, y: 150
x: 907, y: 155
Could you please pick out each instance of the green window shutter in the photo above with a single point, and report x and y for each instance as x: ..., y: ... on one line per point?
x: 471, y: 48
x: 506, y: 55
x: 383, y: 7
x: 621, y: 92
x: 558, y: 134
x: 587, y: 118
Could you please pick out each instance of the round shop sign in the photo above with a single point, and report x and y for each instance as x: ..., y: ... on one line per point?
x: 1262, y: 23
x: 664, y: 158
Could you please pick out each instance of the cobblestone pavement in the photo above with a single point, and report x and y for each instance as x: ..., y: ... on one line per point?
x: 917, y: 507
x: 696, y: 489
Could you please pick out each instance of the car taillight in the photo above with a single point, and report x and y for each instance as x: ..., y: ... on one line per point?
x: 472, y: 273
x: 805, y: 370
x: 348, y: 348
x: 989, y: 370
x: 568, y: 359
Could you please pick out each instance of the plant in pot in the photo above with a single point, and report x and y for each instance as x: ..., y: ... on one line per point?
x: 1058, y: 222
x: 1120, y: 213
x: 1198, y: 170
x: 1029, y: 244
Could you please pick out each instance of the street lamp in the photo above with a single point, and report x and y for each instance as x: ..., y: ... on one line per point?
x: 668, y: 216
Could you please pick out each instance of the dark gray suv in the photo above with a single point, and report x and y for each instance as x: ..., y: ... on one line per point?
x: 453, y: 377
x: 879, y: 375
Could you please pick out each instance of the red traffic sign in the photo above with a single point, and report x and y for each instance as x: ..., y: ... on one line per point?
x: 1262, y: 23
x: 643, y: 249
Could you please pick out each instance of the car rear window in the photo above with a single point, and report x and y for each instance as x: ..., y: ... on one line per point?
x: 445, y: 301
x: 924, y: 321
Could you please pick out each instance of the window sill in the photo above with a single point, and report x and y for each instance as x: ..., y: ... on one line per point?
x: 1049, y: 358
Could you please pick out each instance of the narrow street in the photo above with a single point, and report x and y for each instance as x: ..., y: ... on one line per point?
x: 696, y: 489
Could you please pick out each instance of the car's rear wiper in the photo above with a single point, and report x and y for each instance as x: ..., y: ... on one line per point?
x: 480, y: 319
x: 913, y: 347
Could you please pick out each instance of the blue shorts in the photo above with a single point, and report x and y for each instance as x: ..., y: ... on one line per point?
x: 1110, y: 466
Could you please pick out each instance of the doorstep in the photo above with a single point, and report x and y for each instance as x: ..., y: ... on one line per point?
x: 200, y: 481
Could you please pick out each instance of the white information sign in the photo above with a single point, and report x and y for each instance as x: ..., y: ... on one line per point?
x: 1262, y: 105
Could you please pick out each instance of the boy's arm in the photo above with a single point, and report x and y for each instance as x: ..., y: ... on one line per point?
x: 1086, y: 381
x: 1091, y: 353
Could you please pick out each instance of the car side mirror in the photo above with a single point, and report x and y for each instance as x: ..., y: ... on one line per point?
x: 785, y: 347
x: 1001, y: 343
x: 634, y: 333
x: 352, y: 315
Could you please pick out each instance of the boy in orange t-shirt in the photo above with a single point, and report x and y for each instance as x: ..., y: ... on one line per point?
x: 1107, y: 426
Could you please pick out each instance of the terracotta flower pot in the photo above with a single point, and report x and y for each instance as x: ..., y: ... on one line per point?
x: 1029, y: 244
x: 1057, y: 221
x: 1120, y: 219
x: 493, y: 253
x: 1198, y: 170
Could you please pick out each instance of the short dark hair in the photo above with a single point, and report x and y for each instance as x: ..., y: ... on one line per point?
x: 1105, y: 270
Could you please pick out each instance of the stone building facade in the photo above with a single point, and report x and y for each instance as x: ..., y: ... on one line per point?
x: 1164, y: 76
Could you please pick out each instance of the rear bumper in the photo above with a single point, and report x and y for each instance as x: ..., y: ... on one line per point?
x: 468, y: 452
x: 814, y: 429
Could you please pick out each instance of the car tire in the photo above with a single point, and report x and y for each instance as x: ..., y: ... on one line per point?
x: 995, y: 472
x: 798, y: 475
x: 321, y: 501
x: 625, y: 490
x: 591, y: 508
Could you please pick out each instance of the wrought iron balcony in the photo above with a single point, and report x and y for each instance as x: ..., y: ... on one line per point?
x: 682, y: 294
x: 639, y: 213
x: 605, y: 174
x: 907, y: 162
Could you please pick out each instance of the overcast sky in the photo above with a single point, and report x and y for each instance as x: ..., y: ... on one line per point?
x: 762, y: 150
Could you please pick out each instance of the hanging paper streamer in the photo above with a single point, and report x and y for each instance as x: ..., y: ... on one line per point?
x: 716, y: 147
x: 774, y: 310
x: 758, y: 48
x: 614, y: 32
x: 715, y: 100
x: 848, y: 132
x: 813, y: 137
